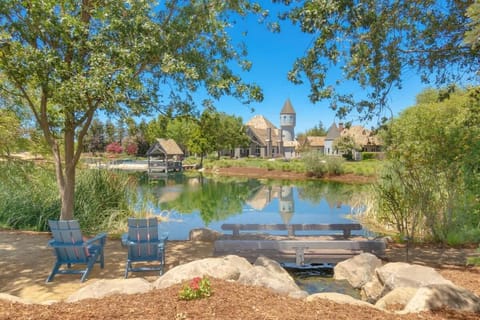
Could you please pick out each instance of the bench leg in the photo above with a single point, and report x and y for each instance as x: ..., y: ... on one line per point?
x: 299, y: 256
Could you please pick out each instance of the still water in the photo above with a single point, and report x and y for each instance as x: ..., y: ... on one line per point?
x: 186, y: 203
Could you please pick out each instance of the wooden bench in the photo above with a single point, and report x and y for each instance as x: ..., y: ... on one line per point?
x: 292, y: 228
x: 316, y: 251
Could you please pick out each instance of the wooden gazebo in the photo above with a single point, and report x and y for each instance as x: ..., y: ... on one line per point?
x: 165, y: 156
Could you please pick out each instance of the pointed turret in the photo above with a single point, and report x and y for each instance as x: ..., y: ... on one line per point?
x: 288, y: 121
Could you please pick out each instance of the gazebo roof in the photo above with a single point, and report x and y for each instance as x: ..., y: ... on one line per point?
x: 165, y: 146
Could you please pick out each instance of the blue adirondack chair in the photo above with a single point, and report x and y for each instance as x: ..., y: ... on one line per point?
x: 70, y: 249
x: 144, y: 246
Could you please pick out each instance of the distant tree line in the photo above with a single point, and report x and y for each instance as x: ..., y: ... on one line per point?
x: 212, y: 131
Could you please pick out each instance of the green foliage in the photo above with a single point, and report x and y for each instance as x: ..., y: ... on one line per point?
x: 69, y: 60
x: 369, y: 155
x: 103, y: 199
x: 318, y: 165
x: 29, y: 197
x: 317, y: 130
x: 375, y: 42
x: 215, y: 200
x: 474, y: 260
x: 429, y: 184
x: 346, y: 145
x: 10, y: 132
x: 198, y: 288
x: 315, y: 164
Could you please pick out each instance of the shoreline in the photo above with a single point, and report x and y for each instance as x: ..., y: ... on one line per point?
x: 263, y: 173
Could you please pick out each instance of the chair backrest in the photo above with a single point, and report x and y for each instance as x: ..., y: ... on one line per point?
x: 142, y: 230
x: 144, y: 233
x: 68, y: 240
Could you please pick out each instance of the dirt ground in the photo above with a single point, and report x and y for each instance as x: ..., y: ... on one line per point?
x: 26, y: 262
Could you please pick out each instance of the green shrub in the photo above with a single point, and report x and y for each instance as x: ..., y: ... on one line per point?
x: 368, y: 155
x: 315, y: 164
x: 334, y: 165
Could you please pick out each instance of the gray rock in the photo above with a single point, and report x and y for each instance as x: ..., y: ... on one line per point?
x: 436, y: 296
x: 104, y: 288
x: 372, y: 290
x: 398, y: 297
x: 357, y: 270
x: 271, y: 265
x: 204, y: 234
x: 226, y: 268
x: 400, y: 274
x: 338, y: 298
x: 280, y: 282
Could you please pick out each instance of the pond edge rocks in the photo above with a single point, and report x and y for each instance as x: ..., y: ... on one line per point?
x: 400, y: 286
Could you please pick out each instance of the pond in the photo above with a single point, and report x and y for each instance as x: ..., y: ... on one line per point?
x: 185, y: 203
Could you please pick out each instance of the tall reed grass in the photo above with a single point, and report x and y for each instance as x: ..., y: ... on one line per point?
x: 29, y: 197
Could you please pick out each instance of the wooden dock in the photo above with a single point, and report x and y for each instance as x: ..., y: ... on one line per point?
x: 293, y: 229
x: 300, y: 250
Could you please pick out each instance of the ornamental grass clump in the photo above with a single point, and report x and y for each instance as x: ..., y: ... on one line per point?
x: 198, y: 288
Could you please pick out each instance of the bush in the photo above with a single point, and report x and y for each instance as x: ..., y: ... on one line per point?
x: 369, y: 155
x: 114, y: 147
x: 334, y: 165
x: 132, y: 149
x: 315, y: 164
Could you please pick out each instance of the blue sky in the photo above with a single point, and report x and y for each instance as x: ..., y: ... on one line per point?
x: 272, y: 55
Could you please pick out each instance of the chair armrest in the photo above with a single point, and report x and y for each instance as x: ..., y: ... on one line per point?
x: 101, y: 237
x: 164, y: 236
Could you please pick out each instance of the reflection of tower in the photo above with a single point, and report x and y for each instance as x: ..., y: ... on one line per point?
x: 288, y: 121
x: 286, y: 202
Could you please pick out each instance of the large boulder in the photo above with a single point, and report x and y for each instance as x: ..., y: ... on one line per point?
x: 104, y: 288
x: 396, y: 299
x: 226, y: 268
x: 437, y: 296
x: 279, y: 282
x: 357, y: 270
x: 338, y: 298
x: 204, y: 234
x: 400, y: 274
x: 271, y: 265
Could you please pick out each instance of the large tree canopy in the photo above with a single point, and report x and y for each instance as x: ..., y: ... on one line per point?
x: 66, y: 60
x: 374, y: 43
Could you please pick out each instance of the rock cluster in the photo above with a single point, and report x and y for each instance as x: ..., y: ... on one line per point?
x: 415, y: 288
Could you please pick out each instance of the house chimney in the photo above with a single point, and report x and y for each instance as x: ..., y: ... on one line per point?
x: 340, y: 126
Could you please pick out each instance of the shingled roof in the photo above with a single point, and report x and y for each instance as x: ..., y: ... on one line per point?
x: 315, y: 141
x: 260, y: 122
x: 287, y: 108
x: 361, y: 135
x: 165, y: 146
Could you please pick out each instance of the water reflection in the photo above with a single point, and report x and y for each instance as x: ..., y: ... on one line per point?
x: 195, y: 202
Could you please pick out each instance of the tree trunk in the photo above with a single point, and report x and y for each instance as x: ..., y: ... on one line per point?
x: 68, y: 192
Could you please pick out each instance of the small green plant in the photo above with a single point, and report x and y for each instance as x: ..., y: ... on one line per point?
x: 475, y: 261
x: 198, y: 288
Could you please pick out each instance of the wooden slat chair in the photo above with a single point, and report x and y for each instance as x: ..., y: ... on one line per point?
x: 70, y: 248
x: 144, y: 245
